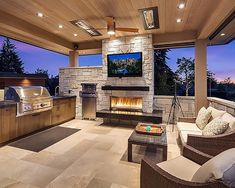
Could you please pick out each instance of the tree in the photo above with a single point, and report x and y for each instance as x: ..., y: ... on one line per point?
x: 163, y: 75
x: 51, y: 81
x: 9, y: 59
x: 185, y: 72
x: 42, y: 72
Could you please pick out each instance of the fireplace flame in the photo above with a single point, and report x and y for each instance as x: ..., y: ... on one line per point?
x: 132, y: 103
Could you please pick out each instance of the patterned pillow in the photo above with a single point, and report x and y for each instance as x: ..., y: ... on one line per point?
x: 203, y: 118
x: 215, y: 127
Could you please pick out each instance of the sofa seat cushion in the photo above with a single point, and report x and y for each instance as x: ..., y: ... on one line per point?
x: 180, y: 167
x: 183, y: 126
x: 184, y: 135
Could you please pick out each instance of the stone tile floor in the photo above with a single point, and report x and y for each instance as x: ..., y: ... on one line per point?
x: 89, y: 158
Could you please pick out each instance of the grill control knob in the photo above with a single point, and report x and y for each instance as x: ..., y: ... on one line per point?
x: 42, y: 105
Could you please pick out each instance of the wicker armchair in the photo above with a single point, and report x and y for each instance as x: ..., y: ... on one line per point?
x: 212, y: 145
x: 152, y: 176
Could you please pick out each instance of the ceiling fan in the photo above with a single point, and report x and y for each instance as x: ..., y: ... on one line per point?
x: 111, y: 27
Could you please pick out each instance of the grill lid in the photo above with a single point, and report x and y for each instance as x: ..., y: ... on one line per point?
x: 18, y: 93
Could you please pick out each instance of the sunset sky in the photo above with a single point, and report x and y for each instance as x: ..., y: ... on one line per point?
x: 221, y: 59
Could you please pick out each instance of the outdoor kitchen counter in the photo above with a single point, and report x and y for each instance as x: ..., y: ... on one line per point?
x: 12, y: 127
x: 63, y: 97
x: 4, y: 104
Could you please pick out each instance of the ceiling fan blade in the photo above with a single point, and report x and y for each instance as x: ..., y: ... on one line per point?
x: 134, y: 30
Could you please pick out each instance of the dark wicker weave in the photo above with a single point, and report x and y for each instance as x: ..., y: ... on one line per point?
x: 211, y: 145
x: 153, y: 176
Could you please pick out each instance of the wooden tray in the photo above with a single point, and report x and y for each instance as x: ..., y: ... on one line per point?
x: 156, y: 130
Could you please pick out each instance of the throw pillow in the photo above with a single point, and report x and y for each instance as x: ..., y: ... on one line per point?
x: 215, y: 127
x: 231, y: 120
x: 216, y: 167
x: 215, y: 113
x: 203, y: 118
x: 228, y: 177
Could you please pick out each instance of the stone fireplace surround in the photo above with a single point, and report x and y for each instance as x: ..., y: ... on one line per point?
x: 71, y: 78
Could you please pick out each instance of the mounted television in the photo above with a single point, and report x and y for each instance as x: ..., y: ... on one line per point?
x: 125, y: 65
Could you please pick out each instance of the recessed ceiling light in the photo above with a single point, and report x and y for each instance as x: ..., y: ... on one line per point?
x: 222, y: 34
x: 181, y: 5
x: 60, y: 26
x: 178, y: 20
x: 75, y: 34
x: 39, y: 14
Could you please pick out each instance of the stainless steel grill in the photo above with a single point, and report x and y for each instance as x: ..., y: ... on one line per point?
x: 30, y: 99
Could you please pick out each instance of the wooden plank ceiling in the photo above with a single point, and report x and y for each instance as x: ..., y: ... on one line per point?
x: 45, y: 32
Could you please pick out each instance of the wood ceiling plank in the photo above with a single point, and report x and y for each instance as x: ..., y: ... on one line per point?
x: 198, y: 15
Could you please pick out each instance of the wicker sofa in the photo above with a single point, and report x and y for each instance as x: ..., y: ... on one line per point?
x: 153, y: 176
x: 191, y: 135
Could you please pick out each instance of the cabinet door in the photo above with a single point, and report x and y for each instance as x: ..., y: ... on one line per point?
x: 8, y: 125
x: 63, y: 110
x: 45, y: 119
x: 56, y: 115
x: 28, y: 124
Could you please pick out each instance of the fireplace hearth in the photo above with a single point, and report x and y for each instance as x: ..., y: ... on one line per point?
x: 126, y: 103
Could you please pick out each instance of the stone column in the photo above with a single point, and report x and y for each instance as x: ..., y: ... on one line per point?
x: 200, y: 74
x: 73, y: 58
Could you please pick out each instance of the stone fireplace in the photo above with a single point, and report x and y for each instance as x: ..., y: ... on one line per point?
x: 126, y: 103
x: 137, y: 99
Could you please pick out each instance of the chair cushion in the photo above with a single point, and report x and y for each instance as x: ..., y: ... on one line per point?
x: 203, y: 117
x: 180, y: 167
x: 216, y: 167
x: 231, y: 120
x: 215, y: 113
x: 184, y: 135
x: 183, y: 126
x: 215, y: 127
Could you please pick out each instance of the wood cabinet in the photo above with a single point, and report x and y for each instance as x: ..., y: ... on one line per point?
x: 12, y: 127
x: 8, y: 126
x: 33, y: 122
x: 63, y: 110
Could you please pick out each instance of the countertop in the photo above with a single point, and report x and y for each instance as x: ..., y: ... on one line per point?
x: 63, y: 97
x: 8, y: 103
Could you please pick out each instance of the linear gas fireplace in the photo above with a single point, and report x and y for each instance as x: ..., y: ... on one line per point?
x: 126, y: 103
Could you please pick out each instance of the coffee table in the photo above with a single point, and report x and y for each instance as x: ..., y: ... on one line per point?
x: 149, y: 141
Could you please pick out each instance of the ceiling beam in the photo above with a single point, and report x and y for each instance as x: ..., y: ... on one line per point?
x: 32, y: 40
x: 89, y: 45
x: 174, y: 38
x: 223, y: 10
x: 13, y: 23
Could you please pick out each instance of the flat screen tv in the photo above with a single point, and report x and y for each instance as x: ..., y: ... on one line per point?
x: 125, y: 65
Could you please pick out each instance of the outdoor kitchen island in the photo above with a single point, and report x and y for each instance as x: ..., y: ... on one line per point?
x: 12, y: 127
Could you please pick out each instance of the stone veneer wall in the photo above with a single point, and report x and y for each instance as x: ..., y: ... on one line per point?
x: 141, y: 43
x: 164, y: 103
x: 222, y: 104
x: 71, y: 78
